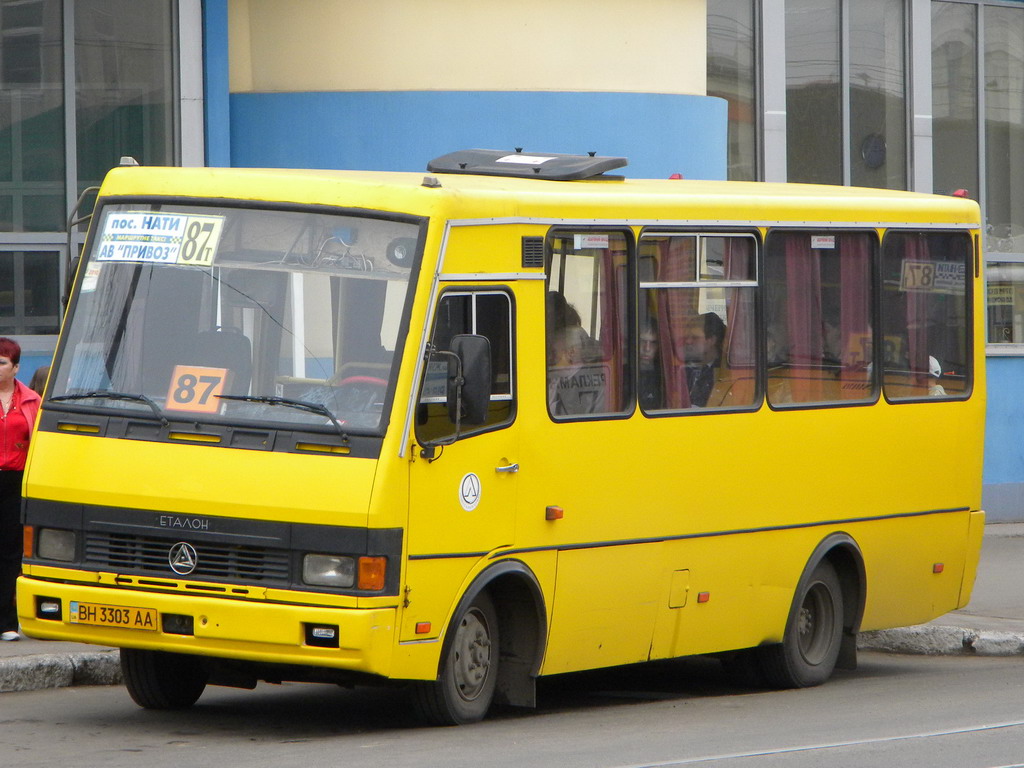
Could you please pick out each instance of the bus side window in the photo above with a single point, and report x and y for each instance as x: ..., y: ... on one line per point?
x: 697, y: 313
x: 486, y: 313
x: 925, y: 314
x: 818, y: 310
x: 585, y: 324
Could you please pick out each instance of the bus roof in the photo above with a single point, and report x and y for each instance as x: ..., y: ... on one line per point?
x: 467, y: 196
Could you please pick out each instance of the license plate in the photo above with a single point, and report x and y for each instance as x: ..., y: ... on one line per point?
x: 122, y: 616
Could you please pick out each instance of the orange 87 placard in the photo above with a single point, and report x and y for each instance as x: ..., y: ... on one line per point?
x: 195, y: 388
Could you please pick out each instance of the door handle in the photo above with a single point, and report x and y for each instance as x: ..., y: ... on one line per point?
x: 508, y: 468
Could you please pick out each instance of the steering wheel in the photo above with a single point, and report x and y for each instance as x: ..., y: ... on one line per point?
x: 361, y: 393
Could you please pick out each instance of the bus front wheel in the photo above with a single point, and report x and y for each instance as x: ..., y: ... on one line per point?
x: 160, y: 680
x: 464, y: 690
x: 810, y: 646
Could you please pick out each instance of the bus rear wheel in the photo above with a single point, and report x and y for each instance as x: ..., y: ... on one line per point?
x: 810, y: 646
x: 464, y: 690
x: 160, y: 680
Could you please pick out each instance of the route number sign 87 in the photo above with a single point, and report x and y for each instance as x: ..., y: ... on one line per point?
x: 196, y: 389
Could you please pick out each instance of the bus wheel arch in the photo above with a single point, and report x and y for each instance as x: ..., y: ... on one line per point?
x: 844, y: 554
x: 500, y: 621
x: 824, y: 618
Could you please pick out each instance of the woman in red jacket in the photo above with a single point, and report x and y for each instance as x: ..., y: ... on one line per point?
x: 18, y: 408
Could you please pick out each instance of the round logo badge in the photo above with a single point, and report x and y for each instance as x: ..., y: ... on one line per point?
x: 469, y: 492
x: 183, y: 558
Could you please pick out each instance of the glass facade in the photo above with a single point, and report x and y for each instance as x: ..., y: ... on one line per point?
x: 877, y: 87
x: 814, y: 97
x: 1005, y: 302
x: 124, y: 90
x: 31, y: 117
x: 732, y: 64
x: 846, y: 89
x: 850, y: 68
x: 1004, y: 128
x: 122, y: 104
x: 954, y: 98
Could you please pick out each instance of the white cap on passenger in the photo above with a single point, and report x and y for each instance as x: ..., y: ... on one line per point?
x: 934, y: 369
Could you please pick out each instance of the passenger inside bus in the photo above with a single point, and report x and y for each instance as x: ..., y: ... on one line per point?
x: 576, y: 383
x: 703, y: 341
x: 649, y: 389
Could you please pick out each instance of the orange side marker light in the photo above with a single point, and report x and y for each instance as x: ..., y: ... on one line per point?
x: 372, y: 571
x: 703, y: 597
x: 553, y: 513
x: 938, y: 567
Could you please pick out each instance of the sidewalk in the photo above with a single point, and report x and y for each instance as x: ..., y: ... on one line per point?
x: 992, y: 625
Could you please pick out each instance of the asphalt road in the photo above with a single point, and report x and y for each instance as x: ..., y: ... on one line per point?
x: 893, y: 711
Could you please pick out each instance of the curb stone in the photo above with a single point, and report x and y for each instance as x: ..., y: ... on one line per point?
x: 942, y: 641
x: 33, y: 673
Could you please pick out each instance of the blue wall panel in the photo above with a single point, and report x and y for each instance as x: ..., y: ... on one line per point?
x: 29, y: 362
x: 1004, y: 440
x: 400, y: 131
x: 1004, y: 436
x: 215, y: 82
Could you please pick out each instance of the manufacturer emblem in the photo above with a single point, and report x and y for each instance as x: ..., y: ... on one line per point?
x: 469, y: 492
x: 183, y: 558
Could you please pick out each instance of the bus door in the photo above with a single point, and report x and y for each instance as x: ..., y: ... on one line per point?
x: 463, y: 483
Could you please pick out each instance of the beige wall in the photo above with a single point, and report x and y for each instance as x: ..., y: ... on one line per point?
x: 653, y: 46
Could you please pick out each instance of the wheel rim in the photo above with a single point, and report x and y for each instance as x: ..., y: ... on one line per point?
x: 471, y: 655
x: 817, y: 621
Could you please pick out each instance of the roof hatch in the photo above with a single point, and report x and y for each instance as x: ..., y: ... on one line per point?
x: 536, y: 165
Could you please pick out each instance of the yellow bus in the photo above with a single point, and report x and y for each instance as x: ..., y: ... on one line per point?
x: 517, y: 416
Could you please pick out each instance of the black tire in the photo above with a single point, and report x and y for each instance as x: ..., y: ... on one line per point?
x: 810, y: 647
x: 159, y: 680
x: 464, y: 689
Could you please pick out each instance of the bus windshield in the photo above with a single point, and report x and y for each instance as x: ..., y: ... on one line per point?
x: 285, y: 318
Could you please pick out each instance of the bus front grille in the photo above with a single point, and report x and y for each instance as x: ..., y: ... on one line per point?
x: 129, y: 553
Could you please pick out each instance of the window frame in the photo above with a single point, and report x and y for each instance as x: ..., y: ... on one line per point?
x: 874, y: 315
x: 471, y: 291
x: 627, y: 353
x: 969, y: 314
x: 1000, y: 348
x: 701, y: 235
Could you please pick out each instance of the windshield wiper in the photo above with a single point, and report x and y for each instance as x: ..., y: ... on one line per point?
x: 104, y: 395
x: 302, y: 405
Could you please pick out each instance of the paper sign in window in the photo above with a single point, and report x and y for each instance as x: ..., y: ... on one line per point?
x: 196, y: 389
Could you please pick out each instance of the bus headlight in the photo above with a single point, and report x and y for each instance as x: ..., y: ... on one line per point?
x: 55, y: 544
x: 329, y: 570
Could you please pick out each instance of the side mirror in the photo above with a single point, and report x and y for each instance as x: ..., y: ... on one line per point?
x: 469, y: 394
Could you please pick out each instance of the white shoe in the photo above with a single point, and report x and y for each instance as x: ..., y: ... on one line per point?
x: 10, y: 635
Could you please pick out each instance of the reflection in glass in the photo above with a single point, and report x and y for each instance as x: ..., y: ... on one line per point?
x: 29, y: 292
x: 32, y: 116
x: 878, y: 132
x: 731, y: 61
x: 1004, y: 128
x: 814, y: 120
x: 1005, y: 302
x: 124, y: 88
x: 954, y: 98
x: 925, y: 344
